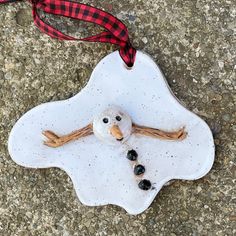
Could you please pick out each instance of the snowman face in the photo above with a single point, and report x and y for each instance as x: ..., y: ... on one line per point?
x: 112, y: 126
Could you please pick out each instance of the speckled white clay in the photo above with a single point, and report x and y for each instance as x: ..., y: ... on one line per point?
x: 101, y: 173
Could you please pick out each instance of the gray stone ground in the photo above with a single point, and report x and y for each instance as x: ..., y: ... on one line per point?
x: 194, y: 43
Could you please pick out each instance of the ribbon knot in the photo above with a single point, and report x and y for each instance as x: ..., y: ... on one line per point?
x: 115, y: 31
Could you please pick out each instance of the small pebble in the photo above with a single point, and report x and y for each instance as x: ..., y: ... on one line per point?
x: 145, y: 40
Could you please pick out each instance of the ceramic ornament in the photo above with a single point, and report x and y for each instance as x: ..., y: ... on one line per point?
x: 120, y: 139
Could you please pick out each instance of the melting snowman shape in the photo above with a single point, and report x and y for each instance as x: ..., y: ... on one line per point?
x: 99, y: 172
x: 114, y: 126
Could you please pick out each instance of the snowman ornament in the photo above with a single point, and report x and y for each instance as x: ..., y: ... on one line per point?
x: 114, y: 127
x: 120, y: 139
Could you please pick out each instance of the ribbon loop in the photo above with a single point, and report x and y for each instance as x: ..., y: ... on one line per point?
x: 115, y: 31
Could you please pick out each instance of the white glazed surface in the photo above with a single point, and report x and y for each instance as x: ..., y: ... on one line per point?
x: 101, y: 173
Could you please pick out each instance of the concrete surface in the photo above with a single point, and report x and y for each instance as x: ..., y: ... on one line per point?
x: 194, y: 43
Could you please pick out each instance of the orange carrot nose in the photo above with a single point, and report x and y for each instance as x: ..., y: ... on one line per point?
x: 116, y: 132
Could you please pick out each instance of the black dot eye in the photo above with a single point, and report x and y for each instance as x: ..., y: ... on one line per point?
x: 118, y: 118
x: 105, y: 120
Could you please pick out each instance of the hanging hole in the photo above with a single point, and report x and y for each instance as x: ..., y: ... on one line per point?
x: 128, y: 67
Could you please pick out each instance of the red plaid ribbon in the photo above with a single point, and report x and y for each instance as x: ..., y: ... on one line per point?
x: 116, y: 32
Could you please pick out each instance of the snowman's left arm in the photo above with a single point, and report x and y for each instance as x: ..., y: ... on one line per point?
x: 157, y: 133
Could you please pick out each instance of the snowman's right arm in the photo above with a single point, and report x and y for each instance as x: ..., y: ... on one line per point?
x: 54, y: 140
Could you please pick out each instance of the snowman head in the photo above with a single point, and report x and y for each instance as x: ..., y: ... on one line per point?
x: 112, y: 126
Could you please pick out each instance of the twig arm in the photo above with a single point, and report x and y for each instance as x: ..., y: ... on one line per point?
x: 156, y: 133
x: 53, y: 140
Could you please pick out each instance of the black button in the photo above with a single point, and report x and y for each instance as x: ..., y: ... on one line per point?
x: 132, y: 155
x: 139, y: 169
x: 145, y: 184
